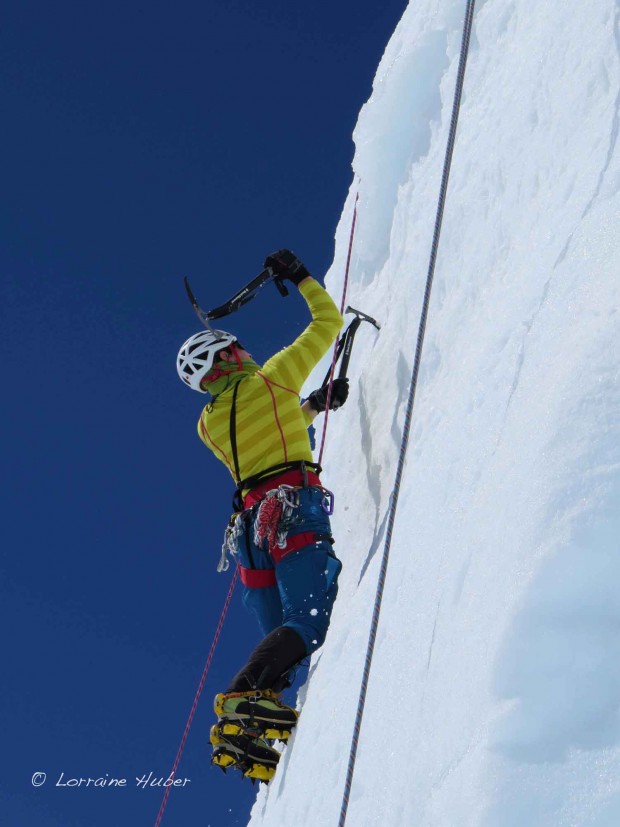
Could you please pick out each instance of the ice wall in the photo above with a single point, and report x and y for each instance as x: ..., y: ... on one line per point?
x: 495, y: 690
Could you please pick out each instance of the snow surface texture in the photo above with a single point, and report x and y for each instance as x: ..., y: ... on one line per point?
x: 495, y: 689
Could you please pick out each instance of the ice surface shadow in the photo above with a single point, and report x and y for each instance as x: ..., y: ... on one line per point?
x: 301, y: 697
x: 409, y: 96
x: 376, y: 542
x: 560, y: 660
x: 373, y: 470
x: 283, y: 763
x: 303, y: 690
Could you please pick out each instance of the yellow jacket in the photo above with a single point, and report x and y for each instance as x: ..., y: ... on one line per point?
x: 271, y: 427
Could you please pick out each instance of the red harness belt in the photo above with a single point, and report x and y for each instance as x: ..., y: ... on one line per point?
x: 294, y: 477
x: 257, y: 578
x: 261, y: 578
x: 294, y: 543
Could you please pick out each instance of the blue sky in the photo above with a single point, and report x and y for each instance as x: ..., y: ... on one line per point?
x: 142, y: 142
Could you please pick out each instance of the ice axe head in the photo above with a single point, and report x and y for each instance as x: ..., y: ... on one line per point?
x: 362, y: 316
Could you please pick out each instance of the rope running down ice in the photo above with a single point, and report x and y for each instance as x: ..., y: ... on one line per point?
x: 467, y: 27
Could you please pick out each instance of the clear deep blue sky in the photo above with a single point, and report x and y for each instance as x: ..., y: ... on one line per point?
x: 142, y: 142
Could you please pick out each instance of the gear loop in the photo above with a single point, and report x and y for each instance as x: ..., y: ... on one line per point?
x: 276, y: 516
x: 232, y: 533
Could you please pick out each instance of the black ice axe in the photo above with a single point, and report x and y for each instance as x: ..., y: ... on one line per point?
x: 345, y: 345
x: 240, y: 298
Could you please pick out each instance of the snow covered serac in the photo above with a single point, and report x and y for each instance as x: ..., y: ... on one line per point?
x: 495, y: 688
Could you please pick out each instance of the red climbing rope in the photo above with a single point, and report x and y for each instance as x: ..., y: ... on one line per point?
x: 342, y: 304
x: 188, y: 725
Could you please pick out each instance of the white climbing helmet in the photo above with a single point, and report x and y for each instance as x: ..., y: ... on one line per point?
x: 197, y: 355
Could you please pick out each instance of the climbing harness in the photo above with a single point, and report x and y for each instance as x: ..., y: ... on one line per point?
x: 273, y: 516
x: 467, y: 27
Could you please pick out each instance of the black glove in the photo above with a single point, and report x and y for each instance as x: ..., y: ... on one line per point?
x: 340, y: 391
x: 286, y: 265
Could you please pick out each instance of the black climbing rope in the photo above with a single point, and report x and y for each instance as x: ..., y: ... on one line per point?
x: 467, y: 27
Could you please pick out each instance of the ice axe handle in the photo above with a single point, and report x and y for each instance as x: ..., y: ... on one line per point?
x: 346, y: 343
x: 281, y: 287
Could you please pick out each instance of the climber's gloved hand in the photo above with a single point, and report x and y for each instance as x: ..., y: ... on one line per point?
x: 286, y: 265
x: 340, y: 392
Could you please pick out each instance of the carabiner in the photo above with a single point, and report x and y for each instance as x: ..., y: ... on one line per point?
x: 327, y: 503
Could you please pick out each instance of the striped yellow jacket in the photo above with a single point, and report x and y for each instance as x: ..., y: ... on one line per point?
x: 271, y: 426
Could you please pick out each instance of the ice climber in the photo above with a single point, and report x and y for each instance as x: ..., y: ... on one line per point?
x: 280, y: 533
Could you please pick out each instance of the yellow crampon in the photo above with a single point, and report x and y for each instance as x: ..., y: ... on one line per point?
x: 224, y: 760
x: 255, y: 771
x: 260, y: 772
x: 259, y: 711
x: 270, y: 734
x: 236, y: 747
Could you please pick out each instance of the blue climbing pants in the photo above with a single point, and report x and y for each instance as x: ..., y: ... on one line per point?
x: 295, y: 586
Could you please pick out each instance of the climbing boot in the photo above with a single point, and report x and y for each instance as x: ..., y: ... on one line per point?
x: 259, y: 709
x: 242, y: 749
